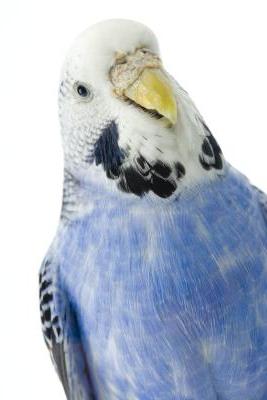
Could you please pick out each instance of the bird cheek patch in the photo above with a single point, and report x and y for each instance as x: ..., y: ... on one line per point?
x: 107, y: 151
x: 211, y: 156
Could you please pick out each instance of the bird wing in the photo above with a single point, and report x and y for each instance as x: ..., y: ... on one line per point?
x: 62, y: 335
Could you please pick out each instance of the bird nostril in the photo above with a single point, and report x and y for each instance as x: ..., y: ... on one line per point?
x: 122, y: 60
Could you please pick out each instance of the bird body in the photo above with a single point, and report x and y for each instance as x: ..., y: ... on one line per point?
x: 155, y: 284
x: 171, y: 301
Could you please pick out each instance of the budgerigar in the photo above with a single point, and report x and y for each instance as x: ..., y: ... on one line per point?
x: 155, y: 285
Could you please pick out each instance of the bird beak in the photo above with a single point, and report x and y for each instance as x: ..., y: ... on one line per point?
x: 152, y: 90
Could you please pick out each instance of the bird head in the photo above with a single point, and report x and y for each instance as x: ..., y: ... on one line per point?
x: 127, y: 126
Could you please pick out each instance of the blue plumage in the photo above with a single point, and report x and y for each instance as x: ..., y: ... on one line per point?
x: 171, y: 301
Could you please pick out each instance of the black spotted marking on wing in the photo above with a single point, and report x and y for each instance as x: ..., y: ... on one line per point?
x: 51, y: 326
x: 66, y: 347
x: 138, y: 176
x: 211, y: 156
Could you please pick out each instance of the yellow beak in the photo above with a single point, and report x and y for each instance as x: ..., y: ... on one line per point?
x: 153, y: 91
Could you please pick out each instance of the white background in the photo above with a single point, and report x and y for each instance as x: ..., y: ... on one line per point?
x: 215, y: 49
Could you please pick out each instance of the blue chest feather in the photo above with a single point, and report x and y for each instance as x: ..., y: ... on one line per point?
x: 171, y: 300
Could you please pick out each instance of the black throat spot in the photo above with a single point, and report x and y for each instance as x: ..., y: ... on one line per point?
x: 140, y: 176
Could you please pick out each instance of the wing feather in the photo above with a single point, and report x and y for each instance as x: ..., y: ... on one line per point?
x: 62, y: 335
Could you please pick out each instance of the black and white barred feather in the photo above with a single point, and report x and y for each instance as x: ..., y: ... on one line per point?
x: 62, y: 336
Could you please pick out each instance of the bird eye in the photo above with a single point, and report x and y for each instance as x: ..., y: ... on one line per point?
x: 83, y: 91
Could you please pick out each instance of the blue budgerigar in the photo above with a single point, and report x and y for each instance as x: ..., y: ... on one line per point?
x: 155, y: 285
